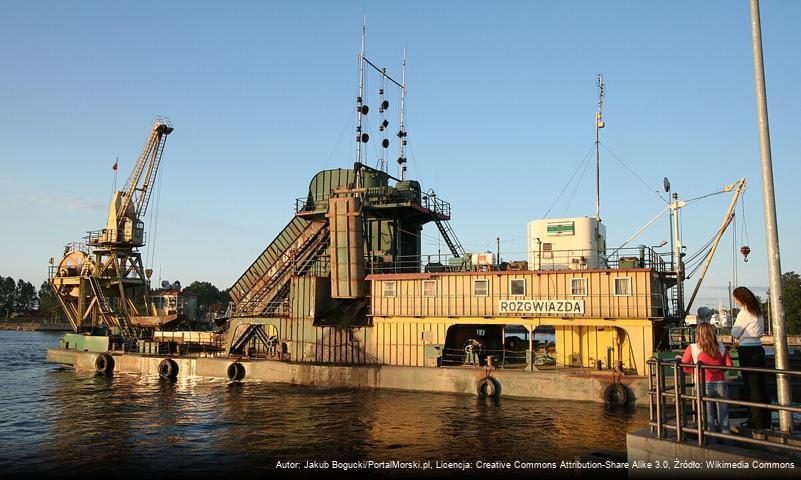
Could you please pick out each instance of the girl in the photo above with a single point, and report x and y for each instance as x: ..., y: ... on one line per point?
x: 747, y: 332
x: 709, y: 351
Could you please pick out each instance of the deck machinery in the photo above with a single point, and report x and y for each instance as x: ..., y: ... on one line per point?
x: 310, y: 283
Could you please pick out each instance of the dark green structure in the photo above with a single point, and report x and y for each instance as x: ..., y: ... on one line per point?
x: 283, y: 303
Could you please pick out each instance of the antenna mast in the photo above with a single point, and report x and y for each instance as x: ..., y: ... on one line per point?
x: 402, y: 128
x: 360, y: 107
x: 599, y: 124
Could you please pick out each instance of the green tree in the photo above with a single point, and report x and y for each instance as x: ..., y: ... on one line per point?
x: 8, y: 292
x: 791, y: 299
x: 49, y: 307
x: 209, y: 297
x: 25, y: 296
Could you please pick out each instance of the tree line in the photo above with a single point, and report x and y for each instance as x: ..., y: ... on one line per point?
x: 20, y: 298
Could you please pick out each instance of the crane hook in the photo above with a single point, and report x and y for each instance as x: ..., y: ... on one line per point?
x: 745, y: 250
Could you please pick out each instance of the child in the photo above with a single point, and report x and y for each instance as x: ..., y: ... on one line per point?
x: 709, y: 351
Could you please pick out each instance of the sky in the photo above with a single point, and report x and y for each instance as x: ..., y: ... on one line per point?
x: 500, y: 108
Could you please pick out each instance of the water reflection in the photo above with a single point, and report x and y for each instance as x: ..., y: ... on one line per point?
x: 61, y: 420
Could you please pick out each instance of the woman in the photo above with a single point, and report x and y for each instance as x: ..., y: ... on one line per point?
x: 709, y: 351
x: 747, y: 334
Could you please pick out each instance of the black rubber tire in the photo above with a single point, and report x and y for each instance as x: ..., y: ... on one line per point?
x: 104, y: 364
x: 488, y: 387
x: 236, y: 372
x: 616, y: 395
x: 168, y: 369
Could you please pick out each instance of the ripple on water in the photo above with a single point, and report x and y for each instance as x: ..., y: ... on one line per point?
x: 52, y: 420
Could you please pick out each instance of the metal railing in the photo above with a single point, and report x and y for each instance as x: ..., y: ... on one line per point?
x: 630, y: 257
x: 680, y: 407
x: 443, y: 262
x: 379, y: 196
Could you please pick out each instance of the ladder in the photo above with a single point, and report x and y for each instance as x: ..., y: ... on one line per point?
x: 112, y: 317
x: 450, y: 238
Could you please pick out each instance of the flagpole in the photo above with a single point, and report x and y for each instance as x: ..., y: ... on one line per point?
x: 116, y: 165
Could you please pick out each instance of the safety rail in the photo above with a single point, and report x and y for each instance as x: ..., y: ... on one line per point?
x: 502, y: 359
x: 680, y: 407
x: 111, y: 235
x: 379, y: 196
x: 442, y: 262
x: 621, y: 258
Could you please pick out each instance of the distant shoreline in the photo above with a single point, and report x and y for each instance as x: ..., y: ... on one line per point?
x: 34, y: 326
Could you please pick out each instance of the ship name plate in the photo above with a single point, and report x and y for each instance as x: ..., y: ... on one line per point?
x: 549, y: 307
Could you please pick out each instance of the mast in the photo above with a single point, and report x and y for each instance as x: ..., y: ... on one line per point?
x: 599, y: 124
x: 402, y: 123
x: 360, y: 107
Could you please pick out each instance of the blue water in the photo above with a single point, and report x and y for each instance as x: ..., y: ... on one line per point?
x: 57, y: 421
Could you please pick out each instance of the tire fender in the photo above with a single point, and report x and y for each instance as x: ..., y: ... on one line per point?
x: 104, y: 363
x: 488, y: 387
x: 236, y: 372
x: 616, y: 394
x: 168, y: 369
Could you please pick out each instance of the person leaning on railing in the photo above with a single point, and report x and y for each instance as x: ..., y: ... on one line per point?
x: 709, y: 351
x: 746, y: 335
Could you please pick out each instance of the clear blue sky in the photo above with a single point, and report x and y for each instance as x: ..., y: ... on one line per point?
x: 500, y: 114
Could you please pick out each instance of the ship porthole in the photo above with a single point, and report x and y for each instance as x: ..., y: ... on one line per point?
x: 104, y: 363
x: 168, y: 369
x: 236, y: 372
x: 487, y: 387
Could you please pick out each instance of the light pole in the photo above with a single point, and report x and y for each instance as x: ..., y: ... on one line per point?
x: 771, y: 228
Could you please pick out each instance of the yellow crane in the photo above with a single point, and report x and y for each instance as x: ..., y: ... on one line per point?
x: 102, y: 282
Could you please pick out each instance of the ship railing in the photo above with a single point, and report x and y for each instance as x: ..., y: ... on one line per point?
x: 680, y: 337
x: 678, y: 408
x: 574, y: 260
x: 111, y: 235
x: 501, y: 358
x: 586, y: 259
x: 379, y: 196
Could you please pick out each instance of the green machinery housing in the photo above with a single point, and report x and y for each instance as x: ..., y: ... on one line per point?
x: 305, y: 298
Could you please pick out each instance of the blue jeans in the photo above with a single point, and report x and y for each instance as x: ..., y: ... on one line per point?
x: 717, y: 411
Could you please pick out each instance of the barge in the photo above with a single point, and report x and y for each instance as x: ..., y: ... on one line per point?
x: 345, y: 296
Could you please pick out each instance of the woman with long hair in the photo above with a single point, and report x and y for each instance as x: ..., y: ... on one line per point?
x: 747, y: 334
x: 709, y: 351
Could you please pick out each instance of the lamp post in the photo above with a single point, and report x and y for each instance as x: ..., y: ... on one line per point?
x: 771, y: 228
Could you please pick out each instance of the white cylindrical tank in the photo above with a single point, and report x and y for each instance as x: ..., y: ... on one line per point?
x: 486, y: 258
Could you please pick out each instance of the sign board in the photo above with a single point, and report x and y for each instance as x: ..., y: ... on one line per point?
x: 542, y: 307
x: 557, y: 229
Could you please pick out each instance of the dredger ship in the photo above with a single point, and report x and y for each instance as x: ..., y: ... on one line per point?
x: 345, y: 296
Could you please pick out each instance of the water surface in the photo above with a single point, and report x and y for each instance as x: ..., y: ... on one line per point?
x: 55, y: 420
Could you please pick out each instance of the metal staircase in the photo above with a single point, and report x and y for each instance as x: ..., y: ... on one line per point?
x: 111, y: 316
x: 450, y: 238
x: 268, y: 294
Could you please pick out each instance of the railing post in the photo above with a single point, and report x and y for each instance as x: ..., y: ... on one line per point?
x: 659, y: 389
x: 677, y: 400
x: 651, y: 416
x: 699, y: 394
x: 682, y: 411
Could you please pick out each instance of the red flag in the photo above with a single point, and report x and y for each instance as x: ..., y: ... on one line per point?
x: 115, y: 165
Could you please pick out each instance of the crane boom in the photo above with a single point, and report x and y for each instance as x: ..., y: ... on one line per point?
x: 137, y: 195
